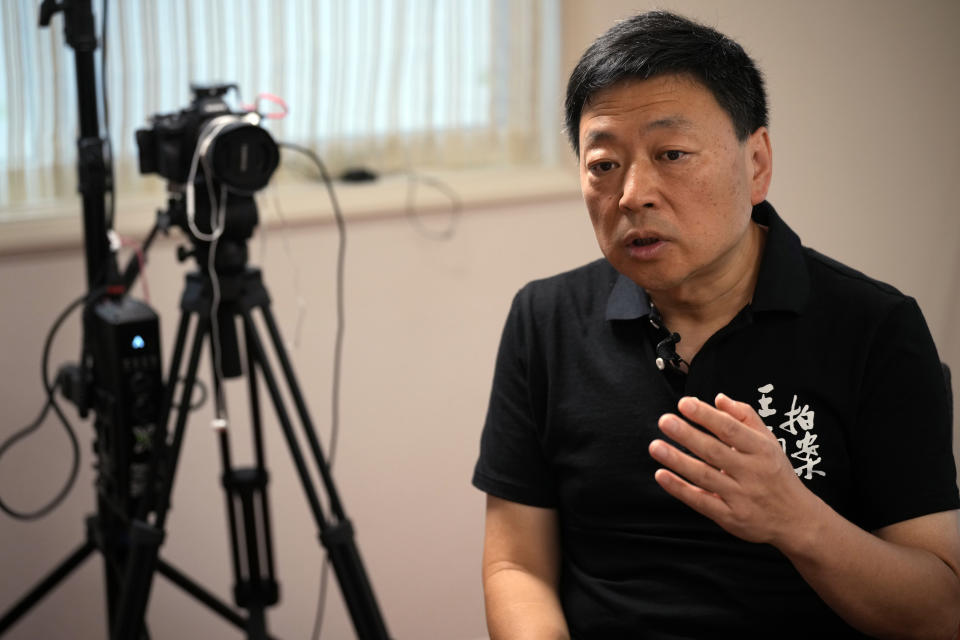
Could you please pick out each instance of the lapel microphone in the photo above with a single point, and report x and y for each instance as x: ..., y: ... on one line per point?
x: 667, y: 353
x: 666, y: 349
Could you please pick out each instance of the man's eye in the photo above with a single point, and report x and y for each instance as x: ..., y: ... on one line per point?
x: 601, y: 167
x: 674, y: 154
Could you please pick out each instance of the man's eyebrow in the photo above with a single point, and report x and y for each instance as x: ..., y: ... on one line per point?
x: 670, y: 122
x: 598, y: 135
x: 595, y: 136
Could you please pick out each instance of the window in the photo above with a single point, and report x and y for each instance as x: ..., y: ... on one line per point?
x: 388, y: 84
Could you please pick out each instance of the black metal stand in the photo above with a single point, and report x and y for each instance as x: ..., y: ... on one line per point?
x: 255, y: 587
x: 129, y: 527
x: 92, y: 544
x: 92, y: 177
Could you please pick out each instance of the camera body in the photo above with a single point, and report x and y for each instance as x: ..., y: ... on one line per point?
x: 215, y: 160
x: 208, y: 139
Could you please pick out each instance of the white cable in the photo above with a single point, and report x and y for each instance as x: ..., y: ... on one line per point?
x: 209, y: 132
x: 220, y: 419
x: 218, y: 217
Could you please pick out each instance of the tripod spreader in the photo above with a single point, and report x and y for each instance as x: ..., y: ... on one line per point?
x: 250, y: 529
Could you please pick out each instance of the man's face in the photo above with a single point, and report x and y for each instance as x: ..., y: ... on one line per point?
x: 668, y: 186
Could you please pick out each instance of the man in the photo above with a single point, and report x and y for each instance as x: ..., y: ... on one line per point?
x: 714, y: 431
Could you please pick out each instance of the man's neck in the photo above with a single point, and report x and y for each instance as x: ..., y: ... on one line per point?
x: 699, y: 309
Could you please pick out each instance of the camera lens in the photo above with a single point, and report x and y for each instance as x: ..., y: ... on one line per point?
x: 243, y: 156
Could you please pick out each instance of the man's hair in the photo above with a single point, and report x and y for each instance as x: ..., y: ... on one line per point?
x: 657, y: 43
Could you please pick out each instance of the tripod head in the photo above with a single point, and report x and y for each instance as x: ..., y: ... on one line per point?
x: 214, y: 159
x: 238, y: 224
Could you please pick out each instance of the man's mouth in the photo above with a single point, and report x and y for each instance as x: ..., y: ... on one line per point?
x: 643, y: 242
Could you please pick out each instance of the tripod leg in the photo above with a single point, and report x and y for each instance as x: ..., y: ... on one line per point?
x: 43, y: 587
x: 258, y: 447
x: 335, y: 505
x: 337, y: 537
x: 180, y: 579
x: 255, y: 585
x: 256, y: 348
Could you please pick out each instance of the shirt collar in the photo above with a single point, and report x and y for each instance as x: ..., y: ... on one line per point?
x: 783, y: 282
x: 628, y: 300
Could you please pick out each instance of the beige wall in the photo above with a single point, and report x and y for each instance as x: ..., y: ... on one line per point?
x: 863, y: 104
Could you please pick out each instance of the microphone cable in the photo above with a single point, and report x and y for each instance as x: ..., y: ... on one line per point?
x: 666, y: 349
x: 51, y: 402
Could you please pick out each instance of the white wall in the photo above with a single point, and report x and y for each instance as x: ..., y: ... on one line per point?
x: 863, y: 102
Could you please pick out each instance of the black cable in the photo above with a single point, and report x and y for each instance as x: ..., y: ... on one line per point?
x: 456, y: 206
x: 337, y: 352
x: 341, y: 254
x: 193, y: 406
x: 51, y: 402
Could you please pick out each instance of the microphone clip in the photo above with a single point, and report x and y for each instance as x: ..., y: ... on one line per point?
x: 667, y: 354
x: 666, y: 348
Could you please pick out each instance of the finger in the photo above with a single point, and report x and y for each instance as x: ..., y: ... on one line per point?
x: 726, y: 427
x: 703, y: 445
x: 697, y: 472
x: 704, y: 502
x: 741, y: 411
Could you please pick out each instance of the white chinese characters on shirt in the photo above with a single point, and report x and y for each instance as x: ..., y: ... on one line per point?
x: 803, y: 447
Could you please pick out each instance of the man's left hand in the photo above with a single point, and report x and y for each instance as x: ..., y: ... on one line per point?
x: 741, y: 479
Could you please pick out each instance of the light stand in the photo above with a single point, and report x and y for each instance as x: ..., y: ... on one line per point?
x: 137, y: 460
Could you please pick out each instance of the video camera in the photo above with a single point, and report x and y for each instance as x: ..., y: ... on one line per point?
x: 215, y: 159
x: 232, y: 147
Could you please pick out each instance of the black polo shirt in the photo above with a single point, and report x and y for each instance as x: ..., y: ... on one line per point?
x: 840, y: 367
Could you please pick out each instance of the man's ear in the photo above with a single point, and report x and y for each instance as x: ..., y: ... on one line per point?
x: 760, y: 164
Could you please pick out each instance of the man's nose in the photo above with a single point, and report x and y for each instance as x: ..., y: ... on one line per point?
x: 641, y: 187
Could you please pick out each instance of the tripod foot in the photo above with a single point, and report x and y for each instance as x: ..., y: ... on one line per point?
x: 43, y: 587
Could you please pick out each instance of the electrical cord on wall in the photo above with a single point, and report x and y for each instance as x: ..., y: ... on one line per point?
x: 364, y: 174
x: 456, y: 206
x: 337, y: 352
x: 447, y: 233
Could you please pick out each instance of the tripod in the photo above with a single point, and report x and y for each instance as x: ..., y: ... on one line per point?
x: 241, y: 293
